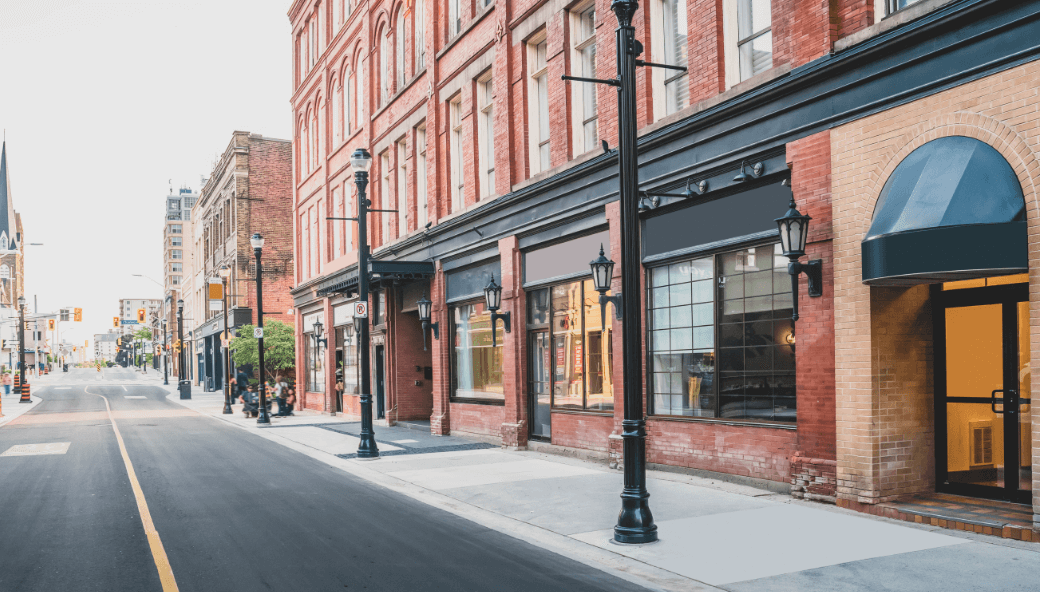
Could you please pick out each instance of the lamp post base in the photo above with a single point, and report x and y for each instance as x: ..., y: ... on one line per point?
x: 635, y: 525
x: 184, y: 387
x: 262, y: 417
x: 367, y: 447
x: 227, y: 407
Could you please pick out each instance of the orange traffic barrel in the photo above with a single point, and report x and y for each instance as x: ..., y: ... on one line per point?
x: 17, y: 383
x: 25, y: 394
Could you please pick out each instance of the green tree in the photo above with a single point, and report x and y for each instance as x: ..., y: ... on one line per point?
x: 279, y: 348
x: 143, y: 333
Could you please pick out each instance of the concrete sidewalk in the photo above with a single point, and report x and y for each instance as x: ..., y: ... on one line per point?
x: 714, y: 535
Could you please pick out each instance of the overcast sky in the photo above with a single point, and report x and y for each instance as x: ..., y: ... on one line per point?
x: 103, y: 103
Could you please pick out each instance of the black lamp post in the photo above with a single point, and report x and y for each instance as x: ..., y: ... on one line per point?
x: 24, y: 398
x: 165, y: 354
x: 493, y: 299
x: 361, y: 162
x: 182, y: 382
x: 794, y: 230
x: 225, y: 273
x: 318, y: 334
x: 424, y: 316
x: 258, y: 245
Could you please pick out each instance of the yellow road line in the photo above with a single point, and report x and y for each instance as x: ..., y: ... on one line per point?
x: 162, y: 563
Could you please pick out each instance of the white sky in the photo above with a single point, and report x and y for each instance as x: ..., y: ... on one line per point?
x: 103, y: 103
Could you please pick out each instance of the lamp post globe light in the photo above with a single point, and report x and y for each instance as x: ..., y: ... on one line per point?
x: 182, y: 383
x: 225, y: 272
x: 794, y: 231
x: 493, y: 299
x: 24, y: 398
x: 361, y: 163
x: 257, y: 241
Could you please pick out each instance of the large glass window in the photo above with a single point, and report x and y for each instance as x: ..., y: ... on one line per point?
x: 486, y: 134
x: 584, y: 94
x: 538, y: 105
x: 676, y: 83
x: 347, y: 361
x: 754, y: 37
x: 581, y: 349
x: 477, y: 366
x: 315, y: 365
x: 721, y: 337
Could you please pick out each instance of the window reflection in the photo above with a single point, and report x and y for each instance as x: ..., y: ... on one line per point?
x: 477, y: 365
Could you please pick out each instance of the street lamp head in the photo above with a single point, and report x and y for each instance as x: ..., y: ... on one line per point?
x: 424, y: 308
x: 361, y: 161
x: 359, y: 323
x: 257, y: 241
x: 493, y: 295
x: 349, y: 330
x: 602, y: 272
x: 21, y: 302
x: 319, y: 330
x: 224, y: 272
x: 180, y: 306
x: 794, y: 230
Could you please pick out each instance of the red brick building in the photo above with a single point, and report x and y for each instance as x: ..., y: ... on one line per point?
x: 497, y: 170
x: 248, y: 191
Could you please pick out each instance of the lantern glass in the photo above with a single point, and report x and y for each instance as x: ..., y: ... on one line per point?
x: 21, y: 302
x: 225, y: 272
x: 358, y: 324
x: 319, y: 329
x: 794, y: 230
x: 602, y: 272
x: 424, y: 308
x: 257, y: 241
x: 180, y: 305
x: 361, y: 161
x: 493, y: 295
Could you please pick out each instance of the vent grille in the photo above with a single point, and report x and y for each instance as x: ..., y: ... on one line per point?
x: 981, y: 443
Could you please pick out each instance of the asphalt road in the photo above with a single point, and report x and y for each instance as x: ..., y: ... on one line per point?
x: 234, y: 512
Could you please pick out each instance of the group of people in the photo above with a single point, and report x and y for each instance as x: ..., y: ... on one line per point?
x: 279, y: 389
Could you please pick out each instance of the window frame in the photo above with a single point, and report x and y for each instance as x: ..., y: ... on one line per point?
x: 419, y: 44
x: 581, y: 91
x: 452, y: 359
x: 400, y: 47
x: 486, y: 133
x: 421, y: 197
x: 384, y: 196
x: 715, y: 255
x: 454, y: 18
x: 537, y: 110
x: 401, y: 193
x: 456, y: 179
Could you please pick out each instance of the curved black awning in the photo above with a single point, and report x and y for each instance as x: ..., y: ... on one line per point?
x: 953, y: 209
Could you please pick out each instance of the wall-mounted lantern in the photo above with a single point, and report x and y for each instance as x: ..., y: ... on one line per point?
x: 493, y: 299
x: 424, y: 316
x: 794, y: 230
x: 319, y: 335
x: 602, y: 273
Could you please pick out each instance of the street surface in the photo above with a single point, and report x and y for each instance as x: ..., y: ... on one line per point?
x: 110, y: 482
x: 233, y: 512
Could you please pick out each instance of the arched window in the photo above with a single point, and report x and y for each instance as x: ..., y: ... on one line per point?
x: 337, y: 113
x: 349, y: 99
x: 5, y: 271
x: 384, y: 68
x: 401, y: 37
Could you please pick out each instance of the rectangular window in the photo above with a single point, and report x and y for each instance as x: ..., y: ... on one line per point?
x: 454, y: 18
x: 754, y: 37
x: 315, y: 365
x: 379, y: 308
x: 175, y: 228
x: 177, y: 267
x: 420, y: 178
x: 420, y: 35
x: 175, y: 254
x: 176, y: 241
x: 349, y: 372
x: 538, y: 116
x: 175, y: 280
x: 348, y: 225
x: 486, y: 134
x: 306, y: 247
x: 581, y: 362
x: 884, y: 8
x: 455, y: 107
x: 402, y: 188
x: 676, y: 87
x: 476, y: 365
x: 721, y: 337
x: 584, y: 94
x: 316, y: 253
x: 384, y: 196
x: 337, y: 225
x: 348, y: 103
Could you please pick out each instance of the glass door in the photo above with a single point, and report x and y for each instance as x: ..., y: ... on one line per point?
x: 540, y: 385
x: 983, y: 393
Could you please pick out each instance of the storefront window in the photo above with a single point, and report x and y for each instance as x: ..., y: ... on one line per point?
x: 347, y: 362
x: 581, y: 358
x: 315, y: 365
x: 744, y: 298
x: 477, y: 365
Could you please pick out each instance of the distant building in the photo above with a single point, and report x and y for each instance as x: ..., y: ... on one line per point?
x: 176, y: 231
x: 249, y: 190
x: 128, y: 308
x: 12, y: 273
x: 105, y: 345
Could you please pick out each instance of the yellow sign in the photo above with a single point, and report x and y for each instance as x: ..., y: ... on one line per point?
x: 216, y: 291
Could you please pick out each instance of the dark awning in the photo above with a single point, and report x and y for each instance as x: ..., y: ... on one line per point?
x: 380, y: 271
x: 953, y: 209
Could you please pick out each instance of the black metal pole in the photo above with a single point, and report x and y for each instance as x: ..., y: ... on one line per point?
x: 367, y: 447
x: 227, y: 355
x: 635, y: 521
x: 262, y: 416
x: 166, y: 355
x: 24, y: 398
x: 182, y: 383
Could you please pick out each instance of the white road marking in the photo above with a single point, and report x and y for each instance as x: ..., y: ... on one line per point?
x: 405, y: 441
x: 134, y: 397
x: 37, y: 449
x: 125, y: 389
x: 62, y: 388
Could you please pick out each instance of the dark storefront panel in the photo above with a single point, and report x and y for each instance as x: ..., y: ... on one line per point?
x: 716, y: 223
x: 565, y: 259
x: 470, y: 282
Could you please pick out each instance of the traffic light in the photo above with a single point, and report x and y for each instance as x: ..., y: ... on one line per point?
x: 140, y: 315
x: 50, y: 324
x: 77, y: 315
x: 74, y: 349
x: 115, y: 322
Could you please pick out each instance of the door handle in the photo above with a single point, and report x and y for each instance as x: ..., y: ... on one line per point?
x: 993, y: 401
